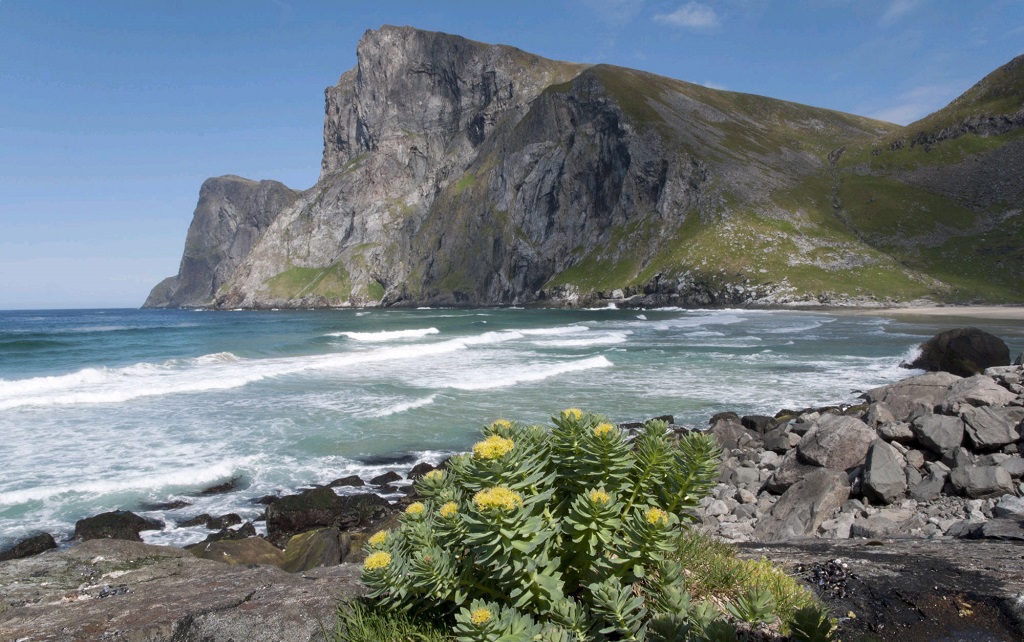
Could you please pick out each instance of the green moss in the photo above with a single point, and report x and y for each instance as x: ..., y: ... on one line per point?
x: 463, y: 183
x: 332, y: 283
x: 375, y: 291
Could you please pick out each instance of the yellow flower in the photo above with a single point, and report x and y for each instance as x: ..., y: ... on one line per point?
x: 599, y: 497
x: 480, y: 616
x: 415, y: 508
x: 434, y: 475
x: 497, y: 497
x: 449, y: 510
x: 493, y: 447
x: 657, y: 517
x: 501, y: 424
x: 604, y: 428
x: 377, y: 561
x: 573, y: 413
x: 378, y: 538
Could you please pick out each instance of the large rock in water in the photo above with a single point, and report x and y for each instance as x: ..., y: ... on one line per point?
x: 322, y: 507
x: 29, y: 546
x: 963, y: 352
x: 118, y: 524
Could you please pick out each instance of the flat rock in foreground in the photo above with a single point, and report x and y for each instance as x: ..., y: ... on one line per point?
x: 110, y: 589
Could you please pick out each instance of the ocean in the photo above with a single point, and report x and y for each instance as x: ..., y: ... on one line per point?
x: 126, y: 409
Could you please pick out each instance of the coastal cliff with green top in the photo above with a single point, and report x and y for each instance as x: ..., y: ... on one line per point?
x: 461, y: 173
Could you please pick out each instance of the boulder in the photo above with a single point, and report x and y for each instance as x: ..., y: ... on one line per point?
x: 1014, y: 466
x: 304, y: 551
x: 939, y: 433
x: 351, y: 480
x: 1002, y: 529
x: 248, y: 550
x: 991, y: 427
x: 836, y: 442
x: 225, y: 534
x: 899, y: 431
x: 789, y: 472
x: 1009, y: 506
x: 758, y: 423
x: 731, y: 434
x: 878, y: 414
x: 979, y: 482
x: 913, y: 395
x: 884, y: 478
x: 781, y: 439
x: 963, y: 352
x: 874, y: 527
x: 29, y: 546
x: 319, y: 508
x: 804, y: 506
x: 420, y: 469
x: 386, y: 478
x: 118, y: 524
x: 979, y: 390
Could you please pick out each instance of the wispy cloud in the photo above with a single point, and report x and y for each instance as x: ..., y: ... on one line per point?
x: 897, y: 9
x: 692, y: 15
x: 919, y: 102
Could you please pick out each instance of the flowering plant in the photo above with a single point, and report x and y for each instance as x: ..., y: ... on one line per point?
x: 561, y: 534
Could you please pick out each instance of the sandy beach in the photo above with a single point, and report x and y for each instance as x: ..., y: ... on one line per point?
x: 1013, y: 313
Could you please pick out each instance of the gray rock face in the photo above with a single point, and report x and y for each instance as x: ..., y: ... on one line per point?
x: 939, y: 433
x: 837, y: 442
x: 110, y: 589
x: 914, y: 394
x: 884, y: 477
x: 992, y: 427
x: 978, y: 390
x: 801, y: 509
x: 979, y: 482
x: 230, y: 218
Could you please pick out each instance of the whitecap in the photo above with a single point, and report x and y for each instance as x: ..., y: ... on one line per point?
x: 385, y: 335
x: 528, y: 373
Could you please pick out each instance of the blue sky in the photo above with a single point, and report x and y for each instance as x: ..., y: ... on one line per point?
x: 113, y: 112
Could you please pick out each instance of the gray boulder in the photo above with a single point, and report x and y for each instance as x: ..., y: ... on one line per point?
x: 801, y: 509
x: 899, y: 432
x: 1009, y: 506
x: 731, y: 434
x: 914, y: 394
x: 118, y: 524
x: 930, y: 487
x: 980, y: 482
x: 304, y: 551
x: 979, y: 390
x: 837, y: 442
x: 992, y: 427
x: 939, y: 433
x: 1014, y: 466
x: 789, y: 472
x: 963, y: 352
x: 28, y: 546
x: 884, y: 477
x: 781, y: 439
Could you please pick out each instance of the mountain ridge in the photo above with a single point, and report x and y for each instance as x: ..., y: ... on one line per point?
x: 461, y: 173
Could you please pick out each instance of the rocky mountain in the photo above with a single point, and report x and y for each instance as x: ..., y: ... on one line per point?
x: 461, y: 173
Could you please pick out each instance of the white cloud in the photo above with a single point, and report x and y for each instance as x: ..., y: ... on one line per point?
x: 918, y: 102
x: 897, y: 9
x: 693, y: 15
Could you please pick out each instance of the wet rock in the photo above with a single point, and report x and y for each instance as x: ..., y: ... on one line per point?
x: 246, y: 550
x: 320, y: 508
x: 884, y: 478
x: 939, y: 433
x: 386, y: 478
x: 351, y: 480
x: 758, y: 423
x: 199, y: 520
x: 29, y: 546
x: 232, y: 484
x: 914, y: 394
x: 963, y: 352
x: 118, y: 524
x: 836, y: 442
x: 804, y: 506
x: 304, y: 551
x: 992, y: 427
x: 420, y: 469
x: 226, y: 534
x: 174, y: 504
x: 981, y: 481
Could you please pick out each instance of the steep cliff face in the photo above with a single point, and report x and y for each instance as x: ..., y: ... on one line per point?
x: 456, y: 172
x: 231, y: 216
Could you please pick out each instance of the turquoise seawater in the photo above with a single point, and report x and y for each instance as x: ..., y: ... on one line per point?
x: 108, y: 409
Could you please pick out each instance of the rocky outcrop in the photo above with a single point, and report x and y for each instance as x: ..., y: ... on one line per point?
x: 461, y: 173
x: 322, y: 507
x: 117, y: 524
x: 963, y: 352
x: 111, y: 589
x: 230, y: 218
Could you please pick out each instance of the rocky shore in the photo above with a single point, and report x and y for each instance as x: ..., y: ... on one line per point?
x: 904, y: 510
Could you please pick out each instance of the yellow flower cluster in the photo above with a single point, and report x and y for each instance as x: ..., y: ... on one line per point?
x: 377, y: 561
x: 480, y: 616
x: 449, y: 510
x: 435, y: 475
x: 378, y: 538
x: 603, y: 428
x: 599, y: 497
x: 573, y: 413
x: 501, y: 424
x: 497, y: 497
x: 415, y: 508
x: 656, y: 516
x: 493, y: 447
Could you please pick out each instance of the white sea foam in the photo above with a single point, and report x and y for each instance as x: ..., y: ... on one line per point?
x: 404, y: 406
x: 604, y: 339
x: 386, y: 335
x: 528, y: 373
x: 564, y: 329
